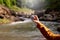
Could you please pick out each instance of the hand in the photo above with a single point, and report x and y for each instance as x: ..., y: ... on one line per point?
x: 35, y: 18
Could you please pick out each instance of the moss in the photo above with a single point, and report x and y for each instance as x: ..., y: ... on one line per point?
x: 26, y: 10
x: 4, y: 21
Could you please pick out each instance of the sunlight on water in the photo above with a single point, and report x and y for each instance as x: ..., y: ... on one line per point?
x: 26, y: 21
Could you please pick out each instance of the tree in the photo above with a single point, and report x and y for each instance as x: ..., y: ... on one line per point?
x: 53, y: 4
x: 8, y: 3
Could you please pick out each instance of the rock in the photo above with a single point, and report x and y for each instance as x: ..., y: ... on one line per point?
x: 1, y: 17
x: 4, y: 12
x: 39, y: 13
x: 18, y: 19
x: 58, y: 29
x: 4, y: 9
x: 13, y: 13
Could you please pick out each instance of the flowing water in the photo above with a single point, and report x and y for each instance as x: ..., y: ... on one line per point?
x: 25, y: 30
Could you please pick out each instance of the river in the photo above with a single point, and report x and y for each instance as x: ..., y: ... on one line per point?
x: 25, y: 30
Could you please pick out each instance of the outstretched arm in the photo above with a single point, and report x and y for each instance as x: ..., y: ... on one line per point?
x: 47, y: 33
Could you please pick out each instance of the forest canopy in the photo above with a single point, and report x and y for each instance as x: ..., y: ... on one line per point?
x: 50, y: 3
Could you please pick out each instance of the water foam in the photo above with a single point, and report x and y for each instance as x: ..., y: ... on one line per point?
x: 25, y: 21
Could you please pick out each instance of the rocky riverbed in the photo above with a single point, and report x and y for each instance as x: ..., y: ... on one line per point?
x: 7, y: 15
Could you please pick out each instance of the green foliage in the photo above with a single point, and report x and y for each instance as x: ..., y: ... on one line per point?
x: 53, y: 4
x: 8, y: 3
x: 4, y: 21
x: 1, y: 2
x: 26, y: 10
x: 13, y: 2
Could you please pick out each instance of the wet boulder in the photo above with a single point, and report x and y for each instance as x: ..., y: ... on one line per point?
x: 1, y: 17
x: 58, y: 29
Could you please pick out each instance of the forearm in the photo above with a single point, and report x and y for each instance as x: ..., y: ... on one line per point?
x: 46, y: 32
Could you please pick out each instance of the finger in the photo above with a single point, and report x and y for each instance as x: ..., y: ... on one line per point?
x: 36, y: 17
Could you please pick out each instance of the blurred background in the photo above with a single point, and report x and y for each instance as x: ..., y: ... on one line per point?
x: 16, y: 23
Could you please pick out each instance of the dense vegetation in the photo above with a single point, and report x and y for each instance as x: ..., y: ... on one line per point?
x: 53, y: 4
x: 8, y: 3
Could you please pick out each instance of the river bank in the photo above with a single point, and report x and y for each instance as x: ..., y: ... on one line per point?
x: 7, y: 15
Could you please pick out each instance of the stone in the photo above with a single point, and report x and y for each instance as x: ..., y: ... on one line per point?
x: 1, y: 17
x: 58, y: 29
